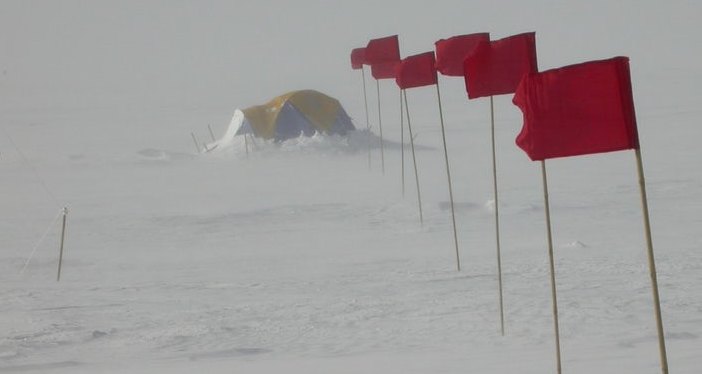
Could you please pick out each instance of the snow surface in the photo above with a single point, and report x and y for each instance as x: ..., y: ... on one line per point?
x: 297, y: 258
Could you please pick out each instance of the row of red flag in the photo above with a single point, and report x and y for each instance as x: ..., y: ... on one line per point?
x: 574, y: 110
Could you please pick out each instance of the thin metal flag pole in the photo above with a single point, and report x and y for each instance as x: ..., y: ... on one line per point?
x: 552, y: 268
x: 380, y: 127
x: 63, y: 238
x: 448, y: 175
x: 402, y: 145
x: 497, y: 215
x: 652, y: 264
x: 365, y: 105
x: 246, y: 144
x: 414, y: 160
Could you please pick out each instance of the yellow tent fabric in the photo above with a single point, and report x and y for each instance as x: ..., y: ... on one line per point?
x: 297, y: 112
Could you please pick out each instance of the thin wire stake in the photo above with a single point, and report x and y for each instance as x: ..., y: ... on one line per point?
x: 497, y: 215
x: 365, y: 105
x: 414, y: 160
x: 652, y: 264
x: 380, y: 126
x: 402, y: 149
x: 36, y: 246
x: 448, y: 175
x: 554, y: 297
x: 63, y: 237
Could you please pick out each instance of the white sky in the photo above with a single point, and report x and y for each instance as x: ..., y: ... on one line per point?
x: 239, y: 53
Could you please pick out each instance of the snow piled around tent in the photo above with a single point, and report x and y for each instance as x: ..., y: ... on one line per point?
x: 232, y: 144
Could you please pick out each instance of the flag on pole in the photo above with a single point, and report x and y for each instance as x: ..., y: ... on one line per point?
x: 382, y: 50
x: 416, y: 71
x: 358, y: 58
x: 496, y: 67
x: 382, y: 55
x: 384, y: 70
x: 451, y: 52
x: 578, y: 109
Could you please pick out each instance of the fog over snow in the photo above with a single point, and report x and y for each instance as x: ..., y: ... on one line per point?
x: 297, y: 257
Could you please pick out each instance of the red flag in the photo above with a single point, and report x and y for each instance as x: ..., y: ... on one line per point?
x: 451, y: 52
x: 496, y: 67
x: 358, y: 58
x: 577, y: 110
x: 384, y: 70
x: 383, y: 50
x: 416, y: 71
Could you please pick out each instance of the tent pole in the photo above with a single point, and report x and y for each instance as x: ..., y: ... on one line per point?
x: 254, y: 145
x: 497, y: 215
x: 211, y: 133
x: 365, y: 105
x: 448, y: 175
x: 554, y: 297
x: 414, y: 160
x: 63, y: 238
x: 380, y: 126
x: 652, y: 263
x: 402, y: 144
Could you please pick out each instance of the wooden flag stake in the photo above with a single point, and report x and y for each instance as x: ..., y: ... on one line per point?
x: 554, y: 297
x: 402, y: 145
x: 365, y: 105
x: 63, y: 238
x: 380, y: 126
x: 448, y: 175
x: 414, y: 159
x: 497, y: 215
x: 652, y: 264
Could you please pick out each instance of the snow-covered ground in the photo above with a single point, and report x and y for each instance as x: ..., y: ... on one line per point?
x: 298, y: 258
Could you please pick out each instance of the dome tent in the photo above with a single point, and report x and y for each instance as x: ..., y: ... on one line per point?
x: 293, y: 114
